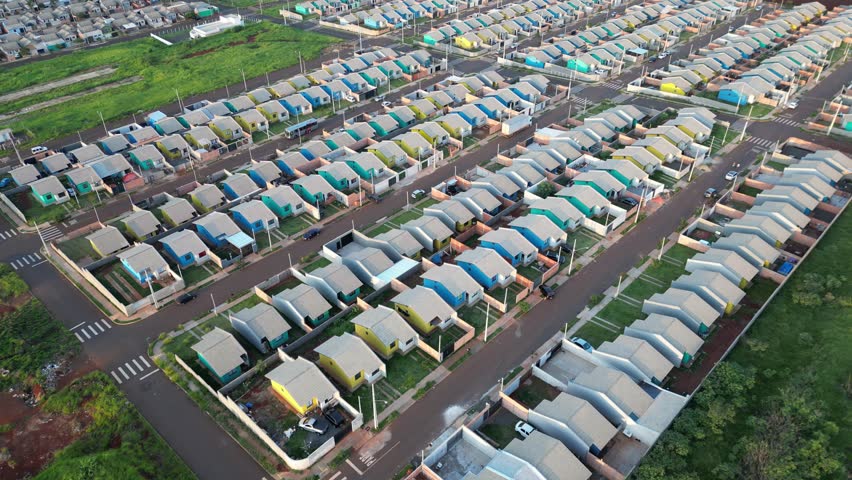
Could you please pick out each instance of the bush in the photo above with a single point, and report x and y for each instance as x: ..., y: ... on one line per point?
x: 11, y: 285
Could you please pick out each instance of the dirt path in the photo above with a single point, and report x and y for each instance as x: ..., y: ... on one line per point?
x: 43, y: 87
x: 58, y: 100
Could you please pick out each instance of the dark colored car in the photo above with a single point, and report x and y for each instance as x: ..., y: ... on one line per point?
x: 335, y: 417
x: 187, y: 297
x: 546, y: 291
x: 629, y: 201
x: 311, y: 233
x: 555, y: 256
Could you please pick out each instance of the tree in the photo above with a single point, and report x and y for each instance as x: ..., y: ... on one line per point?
x: 545, y: 189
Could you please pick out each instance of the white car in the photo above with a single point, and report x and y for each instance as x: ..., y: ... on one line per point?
x: 524, y: 429
x: 350, y: 98
x: 663, y: 55
x: 792, y: 105
x: 731, y: 175
x: 38, y: 149
x: 386, y: 104
x: 417, y: 193
x: 315, y: 425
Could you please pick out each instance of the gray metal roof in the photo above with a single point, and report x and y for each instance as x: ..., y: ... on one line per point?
x: 263, y: 320
x: 179, y: 210
x: 143, y: 257
x: 640, y: 353
x: 580, y: 416
x: 488, y: 261
x: 183, y: 242
x: 255, y: 210
x: 402, y: 241
x: 221, y: 351
x: 425, y: 302
x: 618, y: 387
x: 338, y: 277
x: 671, y: 329
x: 142, y: 223
x: 306, y: 300
x: 351, y: 354
x: 453, y: 278
x: 549, y: 456
x: 387, y: 325
x: 511, y: 240
x: 208, y: 196
x: 430, y: 226
x: 108, y: 240
x: 303, y: 380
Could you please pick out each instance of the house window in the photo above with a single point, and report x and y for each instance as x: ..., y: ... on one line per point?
x: 393, y: 344
x: 358, y: 376
x: 187, y: 257
x: 271, y: 222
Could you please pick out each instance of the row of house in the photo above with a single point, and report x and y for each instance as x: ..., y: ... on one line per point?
x: 628, y: 37
x: 25, y: 30
x: 786, y: 67
x: 386, y: 15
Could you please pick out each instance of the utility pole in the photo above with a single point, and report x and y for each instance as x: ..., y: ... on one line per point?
x: 245, y: 84
x: 571, y: 262
x: 215, y: 310
x: 103, y: 122
x: 180, y: 104
x: 662, y: 246
x: 487, y: 316
x: 375, y: 416
x: 833, y: 119
x: 742, y: 135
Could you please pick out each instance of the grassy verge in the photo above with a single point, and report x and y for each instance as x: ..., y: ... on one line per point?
x: 777, y: 407
x: 190, y: 67
x: 118, y: 443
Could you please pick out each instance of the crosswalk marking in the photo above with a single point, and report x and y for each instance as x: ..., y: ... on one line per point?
x: 50, y: 232
x: 24, y: 259
x: 786, y: 121
x: 92, y: 329
x: 137, y: 365
x: 100, y: 327
x: 612, y: 84
x: 31, y: 259
x: 147, y: 365
x: 106, y: 323
x: 129, y: 368
x: 86, y: 334
x: 760, y: 141
x: 79, y: 337
x: 116, y: 377
x: 123, y: 373
x: 7, y: 234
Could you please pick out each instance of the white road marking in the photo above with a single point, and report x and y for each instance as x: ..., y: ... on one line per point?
x: 99, y: 327
x: 106, y: 323
x: 130, y: 369
x: 13, y: 265
x: 126, y: 376
x: 115, y: 377
x: 94, y: 332
x: 77, y: 326
x: 24, y: 259
x: 37, y: 255
x: 84, y: 332
x: 37, y: 264
x: 137, y: 365
x: 79, y: 337
x: 14, y: 232
x: 359, y: 472
x: 2, y: 237
x: 31, y: 258
x: 147, y: 365
x: 334, y: 476
x: 143, y: 377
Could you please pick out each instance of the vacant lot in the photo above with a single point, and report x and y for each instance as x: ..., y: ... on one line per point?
x: 190, y: 68
x: 778, y: 407
x: 87, y: 430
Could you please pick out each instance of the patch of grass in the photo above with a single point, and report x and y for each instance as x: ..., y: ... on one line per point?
x: 595, y: 334
x: 405, y: 217
x: 317, y: 264
x: 195, y: 275
x: 31, y: 338
x: 475, y: 316
x: 424, y: 389
x: 192, y: 67
x: 533, y: 391
x: 749, y: 190
x: 720, y: 139
x: 406, y: 371
x: 378, y: 230
x: 293, y: 225
x: 642, y: 289
x: 502, y: 435
x: 340, y: 458
x: 247, y: 303
x: 620, y: 312
x: 461, y: 360
x: 756, y: 110
x: 78, y: 248
x: 118, y: 442
x: 666, y: 180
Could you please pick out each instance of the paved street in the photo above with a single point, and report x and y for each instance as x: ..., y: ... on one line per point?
x: 194, y: 435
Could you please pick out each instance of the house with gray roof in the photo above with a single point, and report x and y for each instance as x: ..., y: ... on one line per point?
x: 454, y: 215
x: 713, y: 288
x: 304, y: 305
x: 559, y: 211
x: 764, y: 227
x: 177, y: 211
x: 335, y: 282
x: 540, y: 231
x: 264, y: 173
x: 480, y: 202
x: 575, y: 422
x: 303, y: 385
x: 222, y: 354
x: 752, y: 248
x: 784, y: 214
x: 385, y: 331
x: 523, y: 175
x: 262, y: 326
x: 585, y: 199
x: 25, y: 175
x: 674, y: 340
x: 424, y: 309
x: 635, y: 357
x: 207, y: 197
x: 790, y: 194
x: 453, y: 284
x: 613, y: 393
x: 186, y: 248
x: 684, y: 305
x: 430, y: 232
x: 811, y: 184
x: 487, y: 267
x: 141, y: 224
x: 143, y: 262
x: 238, y: 185
x: 107, y: 240
x: 403, y: 242
x: 53, y: 164
x: 511, y: 245
x: 349, y: 360
x: 549, y: 456
x: 730, y: 264
x: 499, y: 186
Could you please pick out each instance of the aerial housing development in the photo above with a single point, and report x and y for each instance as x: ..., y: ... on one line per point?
x: 425, y: 239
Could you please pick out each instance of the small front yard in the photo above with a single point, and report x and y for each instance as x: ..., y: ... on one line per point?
x: 749, y: 190
x: 475, y: 316
x: 596, y: 334
x: 621, y: 312
x: 439, y: 340
x: 533, y: 391
x: 406, y: 371
x: 293, y: 225
x: 78, y: 248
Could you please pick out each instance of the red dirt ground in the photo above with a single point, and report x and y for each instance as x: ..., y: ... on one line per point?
x: 34, y: 439
x: 209, y: 50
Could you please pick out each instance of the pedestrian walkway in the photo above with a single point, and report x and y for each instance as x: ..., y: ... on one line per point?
x: 50, y: 233
x: 786, y: 121
x: 31, y: 260
x: 761, y: 142
x: 613, y: 84
x: 88, y: 330
x: 136, y: 367
x: 7, y: 234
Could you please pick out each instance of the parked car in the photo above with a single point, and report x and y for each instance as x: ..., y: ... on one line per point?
x: 350, y: 98
x: 758, y: 8
x: 556, y: 256
x: 573, y: 32
x: 335, y: 417
x: 731, y: 175
x: 316, y: 425
x: 547, y: 292
x: 653, y: 58
x: 730, y: 29
x: 792, y: 105
x: 5, y: 182
x: 38, y: 149
x: 711, y: 193
x: 311, y: 233
x: 187, y: 297
x: 524, y: 429
x: 387, y: 104
x: 582, y: 344
x: 629, y: 201
x: 663, y: 55
x: 417, y: 193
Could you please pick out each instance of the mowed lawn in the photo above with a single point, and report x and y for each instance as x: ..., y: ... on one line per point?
x: 190, y: 67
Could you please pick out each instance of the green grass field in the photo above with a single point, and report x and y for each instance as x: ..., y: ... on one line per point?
x: 778, y: 406
x: 191, y: 67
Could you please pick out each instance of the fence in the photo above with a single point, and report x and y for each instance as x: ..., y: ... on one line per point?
x: 14, y: 209
x: 694, y: 99
x: 470, y: 332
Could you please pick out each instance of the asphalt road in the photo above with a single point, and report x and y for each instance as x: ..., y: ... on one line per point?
x: 194, y: 436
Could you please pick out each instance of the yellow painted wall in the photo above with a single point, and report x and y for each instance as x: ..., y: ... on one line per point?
x: 300, y: 409
x: 367, y: 335
x: 411, y: 316
x: 671, y: 88
x: 332, y: 368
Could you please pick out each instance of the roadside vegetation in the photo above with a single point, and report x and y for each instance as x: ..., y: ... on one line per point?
x: 778, y: 407
x: 189, y: 67
x: 116, y: 443
x: 30, y: 338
